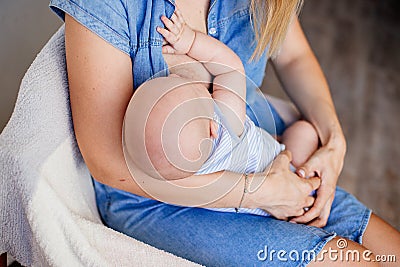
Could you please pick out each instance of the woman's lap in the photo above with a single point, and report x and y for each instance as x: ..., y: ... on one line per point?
x: 215, y: 238
x: 349, y: 217
x: 226, y: 239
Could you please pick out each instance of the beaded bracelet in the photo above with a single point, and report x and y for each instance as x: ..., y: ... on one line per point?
x: 245, y: 191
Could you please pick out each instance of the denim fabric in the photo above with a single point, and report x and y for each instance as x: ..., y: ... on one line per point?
x: 208, y: 237
x: 263, y: 114
x: 215, y: 238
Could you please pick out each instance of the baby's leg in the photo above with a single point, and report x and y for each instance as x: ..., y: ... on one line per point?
x: 302, y: 140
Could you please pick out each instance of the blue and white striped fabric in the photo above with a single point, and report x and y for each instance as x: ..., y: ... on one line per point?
x: 252, y: 152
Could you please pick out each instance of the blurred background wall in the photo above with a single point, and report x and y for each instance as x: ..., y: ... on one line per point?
x: 358, y: 45
x: 25, y: 26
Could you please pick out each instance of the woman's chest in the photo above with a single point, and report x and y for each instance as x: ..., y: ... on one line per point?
x: 195, y: 13
x: 226, y: 20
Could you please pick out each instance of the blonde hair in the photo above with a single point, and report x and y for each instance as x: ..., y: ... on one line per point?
x: 271, y: 19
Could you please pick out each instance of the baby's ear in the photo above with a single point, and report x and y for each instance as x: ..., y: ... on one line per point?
x: 213, y: 129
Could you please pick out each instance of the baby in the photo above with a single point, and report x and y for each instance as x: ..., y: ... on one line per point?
x: 187, y: 131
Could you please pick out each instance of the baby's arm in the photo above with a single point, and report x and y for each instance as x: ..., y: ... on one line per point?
x: 229, y: 84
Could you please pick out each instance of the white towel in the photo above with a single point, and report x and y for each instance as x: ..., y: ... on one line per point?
x: 48, y: 214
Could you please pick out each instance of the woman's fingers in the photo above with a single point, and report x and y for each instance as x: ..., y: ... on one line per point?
x: 315, y: 183
x: 309, y: 169
x: 300, y: 212
x: 282, y: 161
x: 326, y: 163
x: 281, y: 217
x: 323, y: 165
x: 311, y: 214
x: 322, y: 204
x: 309, y: 202
x: 286, y: 194
x: 322, y: 220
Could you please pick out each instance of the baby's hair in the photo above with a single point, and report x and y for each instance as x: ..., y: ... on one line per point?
x: 271, y: 19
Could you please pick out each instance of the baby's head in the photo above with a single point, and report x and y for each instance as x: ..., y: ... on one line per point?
x: 178, y: 127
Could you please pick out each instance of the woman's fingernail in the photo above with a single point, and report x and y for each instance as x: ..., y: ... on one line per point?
x: 302, y: 173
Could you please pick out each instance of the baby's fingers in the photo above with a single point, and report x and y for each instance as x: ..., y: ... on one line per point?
x: 179, y: 16
x: 170, y: 25
x: 167, y: 49
x: 169, y: 36
x: 178, y: 23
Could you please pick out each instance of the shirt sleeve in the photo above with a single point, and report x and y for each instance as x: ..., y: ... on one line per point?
x: 106, y: 18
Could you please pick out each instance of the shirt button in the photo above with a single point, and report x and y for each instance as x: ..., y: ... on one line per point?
x: 212, y: 31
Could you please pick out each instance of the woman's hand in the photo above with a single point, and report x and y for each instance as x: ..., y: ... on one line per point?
x: 279, y: 191
x: 326, y: 163
x: 304, y: 82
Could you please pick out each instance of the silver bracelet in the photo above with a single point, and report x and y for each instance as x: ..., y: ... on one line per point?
x: 245, y: 191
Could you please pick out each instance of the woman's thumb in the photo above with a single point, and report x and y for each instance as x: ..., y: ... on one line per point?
x: 284, y: 158
x: 307, y: 170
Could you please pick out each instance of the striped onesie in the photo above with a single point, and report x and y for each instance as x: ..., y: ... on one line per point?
x: 252, y: 152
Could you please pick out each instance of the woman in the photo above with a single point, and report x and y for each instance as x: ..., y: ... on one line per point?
x: 112, y: 47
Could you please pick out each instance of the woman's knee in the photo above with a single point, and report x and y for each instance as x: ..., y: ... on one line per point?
x: 343, y: 252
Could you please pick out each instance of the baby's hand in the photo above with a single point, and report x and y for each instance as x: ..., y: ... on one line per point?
x: 179, y: 36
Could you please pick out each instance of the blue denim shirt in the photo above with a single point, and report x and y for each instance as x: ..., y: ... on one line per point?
x: 130, y: 25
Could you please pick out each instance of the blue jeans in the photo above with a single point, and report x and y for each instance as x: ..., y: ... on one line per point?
x: 215, y: 238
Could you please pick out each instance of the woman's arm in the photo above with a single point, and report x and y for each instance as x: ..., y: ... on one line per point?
x: 303, y: 80
x: 100, y: 84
